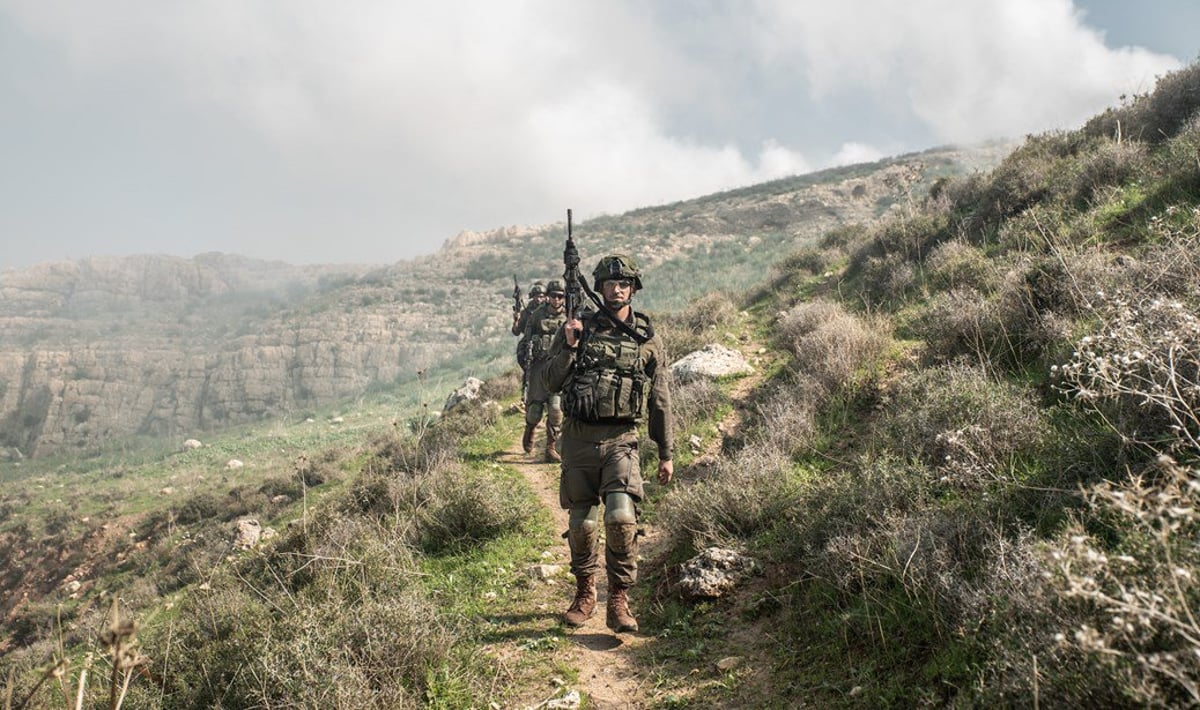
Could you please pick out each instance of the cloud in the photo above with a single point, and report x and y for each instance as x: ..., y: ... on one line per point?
x: 970, y: 70
x: 372, y: 119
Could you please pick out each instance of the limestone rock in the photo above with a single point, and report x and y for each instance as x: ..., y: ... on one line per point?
x: 715, y: 572
x: 711, y: 362
x: 544, y: 572
x: 190, y: 444
x: 469, y: 392
x: 249, y: 532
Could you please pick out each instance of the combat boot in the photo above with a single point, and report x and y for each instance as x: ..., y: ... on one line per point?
x: 619, y: 619
x: 584, y: 603
x: 527, y: 438
x: 551, y: 447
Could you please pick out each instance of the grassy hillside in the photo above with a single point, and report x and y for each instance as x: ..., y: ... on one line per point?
x: 969, y: 474
x: 975, y: 482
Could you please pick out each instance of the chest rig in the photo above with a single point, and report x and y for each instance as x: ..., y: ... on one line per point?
x: 542, y: 328
x: 608, y: 383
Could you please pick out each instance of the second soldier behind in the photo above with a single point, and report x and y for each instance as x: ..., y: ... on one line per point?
x: 542, y: 324
x: 537, y: 296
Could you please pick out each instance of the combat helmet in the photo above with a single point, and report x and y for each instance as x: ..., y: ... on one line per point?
x: 537, y: 289
x: 617, y: 266
x: 554, y: 286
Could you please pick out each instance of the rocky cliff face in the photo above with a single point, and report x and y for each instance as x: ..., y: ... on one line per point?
x: 97, y: 350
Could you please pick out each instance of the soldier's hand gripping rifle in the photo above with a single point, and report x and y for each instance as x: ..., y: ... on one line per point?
x: 517, y: 303
x: 572, y: 281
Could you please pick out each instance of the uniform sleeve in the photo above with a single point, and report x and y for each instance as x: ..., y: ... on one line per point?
x: 558, y: 366
x: 522, y: 321
x: 661, y: 425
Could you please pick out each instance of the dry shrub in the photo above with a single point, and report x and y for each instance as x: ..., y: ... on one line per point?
x: 712, y: 310
x: 959, y: 265
x: 462, y: 508
x: 952, y: 578
x: 953, y: 324
x: 811, y: 261
x: 786, y: 418
x: 1171, y: 267
x: 746, y: 495
x: 886, y: 280
x: 962, y: 423
x: 1153, y: 117
x: 1027, y: 176
x: 695, y: 402
x: 1028, y: 321
x: 902, y: 241
x: 956, y: 567
x: 501, y: 387
x: 1139, y: 595
x: 330, y: 615
x: 846, y: 237
x: 1109, y: 164
x: 699, y: 324
x: 332, y: 643
x: 830, y: 345
x: 1141, y: 371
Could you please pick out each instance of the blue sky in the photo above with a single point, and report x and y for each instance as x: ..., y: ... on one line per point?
x: 371, y: 131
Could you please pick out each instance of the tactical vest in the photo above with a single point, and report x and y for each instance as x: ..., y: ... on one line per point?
x: 608, y: 383
x: 543, y: 324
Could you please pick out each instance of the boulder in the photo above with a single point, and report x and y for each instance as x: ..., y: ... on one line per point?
x: 715, y: 572
x: 249, y: 532
x: 469, y: 392
x: 711, y: 362
x: 190, y: 444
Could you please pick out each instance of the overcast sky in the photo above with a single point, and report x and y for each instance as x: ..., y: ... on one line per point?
x: 371, y: 131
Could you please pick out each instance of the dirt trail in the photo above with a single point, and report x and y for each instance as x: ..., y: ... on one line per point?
x: 608, y: 677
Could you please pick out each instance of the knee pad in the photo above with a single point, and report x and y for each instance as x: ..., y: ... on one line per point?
x: 619, y: 509
x: 582, y: 526
x: 621, y: 538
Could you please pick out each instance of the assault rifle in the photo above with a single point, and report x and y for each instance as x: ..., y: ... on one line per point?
x: 576, y: 287
x: 517, y: 304
x: 572, y: 281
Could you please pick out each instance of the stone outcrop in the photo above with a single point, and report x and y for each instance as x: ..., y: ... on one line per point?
x: 715, y: 572
x: 469, y: 392
x: 102, y: 349
x: 709, y: 363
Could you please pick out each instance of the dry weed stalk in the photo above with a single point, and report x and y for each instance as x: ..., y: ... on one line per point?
x: 119, y: 640
x: 1146, y: 593
x: 1146, y: 358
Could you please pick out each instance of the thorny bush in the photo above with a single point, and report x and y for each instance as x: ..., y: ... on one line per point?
x: 1141, y: 371
x: 1143, y: 592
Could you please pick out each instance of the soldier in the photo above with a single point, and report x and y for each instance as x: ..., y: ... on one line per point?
x: 537, y: 296
x: 612, y: 372
x: 543, y: 324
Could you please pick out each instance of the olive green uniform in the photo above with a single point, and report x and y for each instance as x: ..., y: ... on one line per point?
x: 610, y: 383
x: 542, y: 324
x: 521, y: 328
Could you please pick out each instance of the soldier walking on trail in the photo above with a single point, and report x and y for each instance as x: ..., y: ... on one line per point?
x: 543, y: 324
x: 537, y: 296
x: 612, y: 372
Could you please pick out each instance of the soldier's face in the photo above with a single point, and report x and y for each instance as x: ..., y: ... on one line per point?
x: 556, y: 301
x: 617, y: 291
